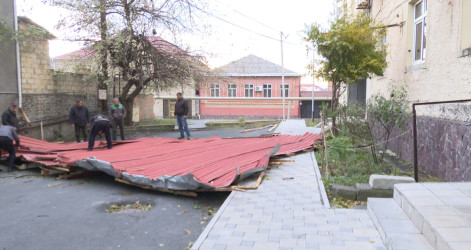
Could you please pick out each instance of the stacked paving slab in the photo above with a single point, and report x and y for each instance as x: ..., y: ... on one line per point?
x: 424, y: 216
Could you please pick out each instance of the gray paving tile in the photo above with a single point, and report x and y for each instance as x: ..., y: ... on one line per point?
x: 289, y: 214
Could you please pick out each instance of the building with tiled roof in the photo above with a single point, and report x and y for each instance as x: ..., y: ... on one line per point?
x: 250, y: 77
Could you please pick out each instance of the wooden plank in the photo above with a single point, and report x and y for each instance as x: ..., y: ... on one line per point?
x: 257, y: 184
x: 253, y: 129
x: 63, y: 169
x: 276, y: 125
x: 47, y: 172
x: 284, y: 160
x: 26, y: 166
x: 25, y: 116
x: 186, y: 193
x: 79, y: 174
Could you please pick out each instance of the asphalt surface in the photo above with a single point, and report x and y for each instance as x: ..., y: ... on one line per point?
x: 44, y: 213
x: 223, y: 133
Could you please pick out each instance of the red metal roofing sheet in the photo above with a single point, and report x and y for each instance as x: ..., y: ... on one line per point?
x: 213, y: 162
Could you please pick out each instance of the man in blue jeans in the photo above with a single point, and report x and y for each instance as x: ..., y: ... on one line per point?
x: 99, y: 124
x: 181, y: 111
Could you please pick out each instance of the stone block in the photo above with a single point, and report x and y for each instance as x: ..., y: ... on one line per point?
x: 346, y: 192
x: 387, y: 181
x: 364, y: 191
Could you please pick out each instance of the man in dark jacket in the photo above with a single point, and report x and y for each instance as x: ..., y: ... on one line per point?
x: 181, y: 111
x: 78, y: 118
x: 9, y: 116
x: 99, y: 124
x: 7, y: 136
x: 117, y: 113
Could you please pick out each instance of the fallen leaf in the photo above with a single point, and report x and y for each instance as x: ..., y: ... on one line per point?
x: 54, y: 185
x: 187, y: 231
x: 161, y: 245
x: 183, y: 212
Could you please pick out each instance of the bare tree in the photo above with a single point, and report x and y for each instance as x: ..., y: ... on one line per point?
x: 122, y: 34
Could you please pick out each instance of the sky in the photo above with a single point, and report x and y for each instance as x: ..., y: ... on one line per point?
x: 255, y: 29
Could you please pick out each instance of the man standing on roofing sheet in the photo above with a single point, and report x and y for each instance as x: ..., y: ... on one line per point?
x: 99, y: 124
x: 9, y: 116
x: 117, y: 113
x: 78, y: 118
x: 7, y: 136
x: 181, y: 111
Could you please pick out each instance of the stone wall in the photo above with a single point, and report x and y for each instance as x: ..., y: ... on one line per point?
x: 36, y: 73
x: 8, y: 64
x: 444, y: 147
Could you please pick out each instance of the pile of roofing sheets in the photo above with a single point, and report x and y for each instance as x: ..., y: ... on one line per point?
x: 171, y: 164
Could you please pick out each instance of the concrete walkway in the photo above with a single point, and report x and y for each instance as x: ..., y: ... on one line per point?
x: 288, y: 211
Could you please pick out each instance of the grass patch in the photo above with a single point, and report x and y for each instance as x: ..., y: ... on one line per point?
x: 226, y: 121
x: 340, y: 202
x: 349, y: 165
x: 159, y: 122
x: 117, y: 208
x: 310, y: 123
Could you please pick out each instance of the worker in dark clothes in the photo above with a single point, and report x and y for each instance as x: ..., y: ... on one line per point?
x: 9, y: 116
x: 99, y: 124
x: 181, y: 111
x: 117, y: 113
x: 78, y: 118
x: 7, y: 136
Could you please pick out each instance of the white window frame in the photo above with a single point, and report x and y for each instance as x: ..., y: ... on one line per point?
x: 232, y: 90
x: 249, y: 87
x: 214, y: 89
x: 286, y: 89
x: 267, y: 88
x: 423, y: 20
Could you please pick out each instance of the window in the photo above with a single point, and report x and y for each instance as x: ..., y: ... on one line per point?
x: 286, y: 90
x: 214, y: 90
x: 232, y: 90
x: 420, y: 30
x: 266, y: 90
x: 248, y: 90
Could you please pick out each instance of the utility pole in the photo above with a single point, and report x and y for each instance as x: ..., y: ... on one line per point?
x: 313, y: 80
x: 282, y: 75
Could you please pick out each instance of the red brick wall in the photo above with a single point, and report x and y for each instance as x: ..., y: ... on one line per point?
x: 250, y: 108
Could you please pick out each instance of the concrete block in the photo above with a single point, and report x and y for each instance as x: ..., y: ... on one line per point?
x: 387, y: 181
x: 364, y: 191
x: 346, y: 192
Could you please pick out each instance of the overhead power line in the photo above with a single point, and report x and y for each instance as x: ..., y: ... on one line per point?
x: 251, y: 18
x: 244, y: 28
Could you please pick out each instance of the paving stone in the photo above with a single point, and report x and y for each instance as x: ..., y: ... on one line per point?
x: 355, y: 245
x: 388, y: 181
x: 287, y: 214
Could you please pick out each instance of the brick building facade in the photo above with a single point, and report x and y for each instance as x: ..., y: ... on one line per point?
x: 250, y: 77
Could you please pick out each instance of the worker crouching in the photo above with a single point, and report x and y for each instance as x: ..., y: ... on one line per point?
x: 99, y: 124
x: 7, y: 136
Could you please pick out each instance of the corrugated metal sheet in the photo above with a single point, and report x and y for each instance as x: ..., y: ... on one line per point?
x: 210, y: 162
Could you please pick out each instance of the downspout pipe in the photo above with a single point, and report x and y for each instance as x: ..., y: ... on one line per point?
x: 18, y: 63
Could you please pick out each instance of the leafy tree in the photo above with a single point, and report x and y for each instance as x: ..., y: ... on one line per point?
x: 119, y: 33
x: 351, y: 49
